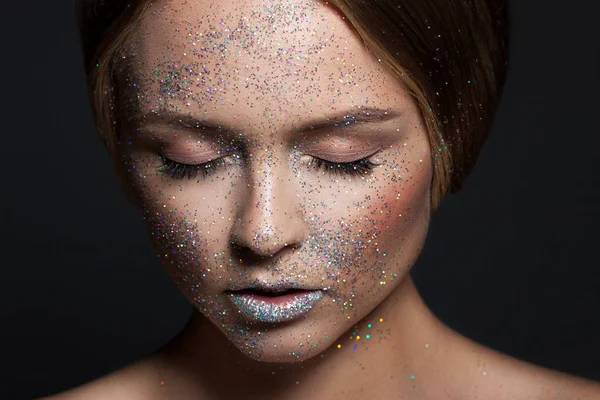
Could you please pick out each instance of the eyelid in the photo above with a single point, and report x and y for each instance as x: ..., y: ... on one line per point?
x: 340, y: 156
x: 340, y: 149
x: 190, y: 158
x: 227, y: 160
x: 200, y: 153
x: 345, y: 157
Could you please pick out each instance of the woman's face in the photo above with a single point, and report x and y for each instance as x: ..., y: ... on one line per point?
x: 283, y: 173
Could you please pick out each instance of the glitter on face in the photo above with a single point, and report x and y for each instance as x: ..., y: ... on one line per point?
x: 231, y: 115
x: 269, y: 311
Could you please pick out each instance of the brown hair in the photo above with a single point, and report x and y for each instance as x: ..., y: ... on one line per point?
x: 452, y: 55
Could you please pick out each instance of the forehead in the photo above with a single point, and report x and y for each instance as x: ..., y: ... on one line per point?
x: 267, y: 61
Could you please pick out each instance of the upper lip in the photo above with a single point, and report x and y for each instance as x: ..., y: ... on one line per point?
x: 274, y: 287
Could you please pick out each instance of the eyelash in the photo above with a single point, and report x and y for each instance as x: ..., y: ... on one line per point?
x: 177, y: 170
x: 354, y: 168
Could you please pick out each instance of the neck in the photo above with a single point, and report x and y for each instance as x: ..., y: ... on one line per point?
x: 404, y: 343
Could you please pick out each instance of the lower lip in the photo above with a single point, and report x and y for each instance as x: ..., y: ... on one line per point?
x: 277, y: 308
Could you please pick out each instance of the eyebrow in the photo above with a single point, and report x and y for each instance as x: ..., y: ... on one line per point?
x: 365, y: 115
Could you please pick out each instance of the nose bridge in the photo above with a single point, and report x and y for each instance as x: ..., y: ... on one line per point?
x: 268, y: 220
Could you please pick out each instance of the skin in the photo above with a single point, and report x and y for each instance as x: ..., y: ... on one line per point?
x: 257, y: 90
x: 267, y: 213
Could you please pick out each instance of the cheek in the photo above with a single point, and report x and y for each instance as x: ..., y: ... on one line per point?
x: 402, y: 206
x: 393, y: 219
x: 189, y: 225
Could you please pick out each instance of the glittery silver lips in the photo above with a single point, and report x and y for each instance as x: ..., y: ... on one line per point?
x: 275, y: 309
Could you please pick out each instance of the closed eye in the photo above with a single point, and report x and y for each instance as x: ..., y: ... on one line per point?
x: 353, y: 168
x: 179, y: 171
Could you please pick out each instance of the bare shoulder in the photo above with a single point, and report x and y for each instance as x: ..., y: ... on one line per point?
x: 500, y: 376
x: 523, y: 380
x: 140, y: 380
x: 548, y: 383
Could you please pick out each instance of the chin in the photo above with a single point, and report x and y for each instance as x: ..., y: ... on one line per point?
x: 285, y: 343
x: 297, y: 339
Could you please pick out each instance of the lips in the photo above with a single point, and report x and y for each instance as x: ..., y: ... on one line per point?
x: 270, y: 304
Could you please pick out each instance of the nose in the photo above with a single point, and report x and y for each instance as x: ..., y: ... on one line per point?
x: 268, y: 221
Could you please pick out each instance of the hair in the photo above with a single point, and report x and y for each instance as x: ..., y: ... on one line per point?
x: 451, y: 55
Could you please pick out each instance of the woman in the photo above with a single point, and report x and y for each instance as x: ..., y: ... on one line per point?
x: 287, y: 157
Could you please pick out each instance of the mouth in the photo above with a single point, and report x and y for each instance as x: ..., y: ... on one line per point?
x: 274, y: 305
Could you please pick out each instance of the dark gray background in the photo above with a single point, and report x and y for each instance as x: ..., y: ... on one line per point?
x: 511, y: 261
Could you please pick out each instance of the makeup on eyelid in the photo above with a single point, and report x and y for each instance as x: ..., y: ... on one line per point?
x: 191, y: 156
x: 189, y: 150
